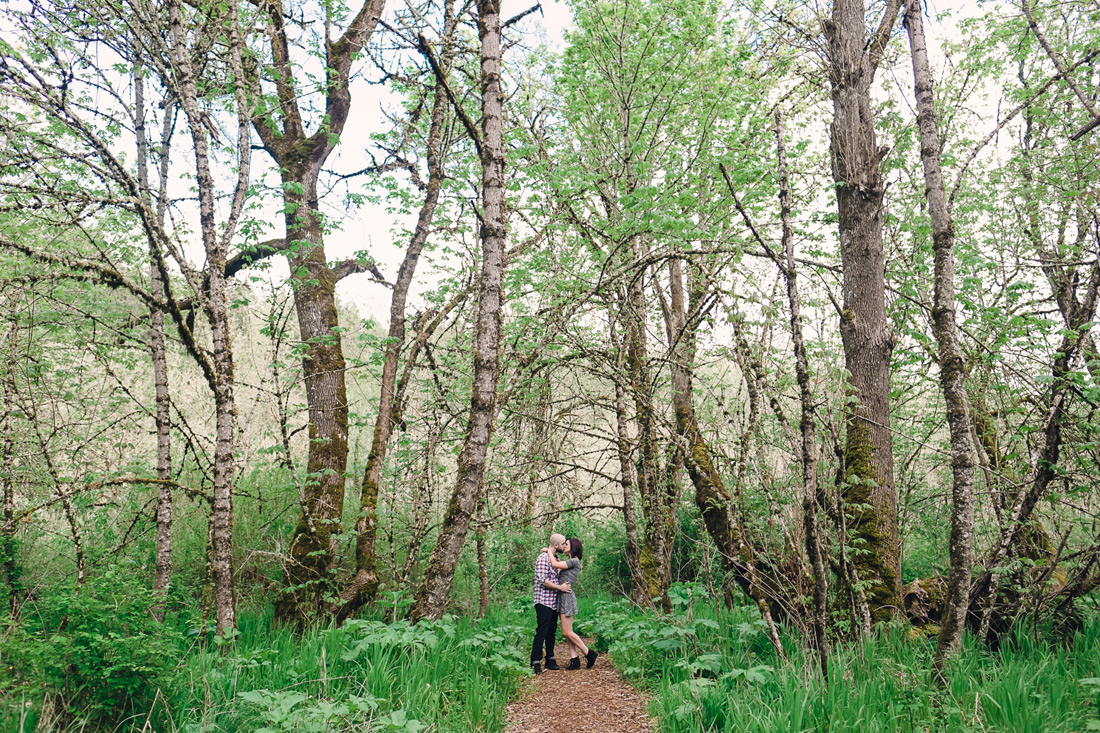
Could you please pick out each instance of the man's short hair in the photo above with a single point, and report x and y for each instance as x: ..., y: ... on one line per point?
x: 557, y: 539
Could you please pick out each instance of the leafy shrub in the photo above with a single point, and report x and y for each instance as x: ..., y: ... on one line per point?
x: 98, y: 652
x: 454, y: 674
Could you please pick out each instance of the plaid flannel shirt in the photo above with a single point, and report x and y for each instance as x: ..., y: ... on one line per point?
x: 545, y: 571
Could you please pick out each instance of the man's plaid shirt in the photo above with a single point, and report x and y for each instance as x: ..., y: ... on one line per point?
x: 545, y: 571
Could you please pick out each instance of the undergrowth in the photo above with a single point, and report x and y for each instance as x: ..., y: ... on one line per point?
x: 712, y: 669
x: 98, y: 663
x: 373, y: 674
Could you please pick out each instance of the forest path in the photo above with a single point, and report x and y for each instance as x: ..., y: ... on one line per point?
x: 581, y: 701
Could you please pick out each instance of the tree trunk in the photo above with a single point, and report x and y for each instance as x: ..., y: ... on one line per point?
x: 482, y: 559
x: 301, y: 157
x: 431, y: 598
x: 806, y: 423
x: 311, y: 550
x: 363, y: 586
x: 162, y: 573
x: 869, y: 494
x: 653, y: 549
x: 950, y: 356
x: 9, y: 565
x: 216, y: 307
x: 711, y: 496
x: 163, y: 570
x: 626, y: 463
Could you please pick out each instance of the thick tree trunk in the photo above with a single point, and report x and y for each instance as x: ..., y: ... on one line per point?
x: 431, y: 598
x: 311, y: 551
x: 301, y: 157
x: 869, y: 493
x: 806, y: 422
x: 364, y: 584
x: 653, y: 549
x: 950, y: 355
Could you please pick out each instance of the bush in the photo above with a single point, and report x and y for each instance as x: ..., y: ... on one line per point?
x: 97, y: 653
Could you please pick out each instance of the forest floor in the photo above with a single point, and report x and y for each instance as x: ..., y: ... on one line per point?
x: 581, y: 701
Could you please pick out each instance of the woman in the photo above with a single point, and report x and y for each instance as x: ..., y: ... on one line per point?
x: 567, y: 602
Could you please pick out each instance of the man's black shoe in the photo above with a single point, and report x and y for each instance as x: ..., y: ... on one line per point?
x: 551, y: 664
x: 536, y: 667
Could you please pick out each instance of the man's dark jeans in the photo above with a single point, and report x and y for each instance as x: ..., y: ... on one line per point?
x: 546, y: 626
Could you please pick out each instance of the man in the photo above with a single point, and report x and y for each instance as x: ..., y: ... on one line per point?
x: 546, y: 606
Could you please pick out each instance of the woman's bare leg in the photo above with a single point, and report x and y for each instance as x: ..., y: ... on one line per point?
x: 565, y: 631
x: 575, y: 641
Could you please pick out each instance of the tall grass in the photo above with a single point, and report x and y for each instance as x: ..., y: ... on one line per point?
x: 371, y: 674
x: 714, y: 670
x: 706, y: 668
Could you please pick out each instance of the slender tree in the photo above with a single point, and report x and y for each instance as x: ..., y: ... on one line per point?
x: 9, y: 565
x: 157, y: 338
x: 807, y: 420
x: 432, y: 595
x: 364, y: 584
x: 952, y: 370
x: 215, y: 297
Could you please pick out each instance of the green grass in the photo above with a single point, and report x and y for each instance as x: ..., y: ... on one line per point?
x: 452, y: 675
x: 714, y: 670
x: 706, y: 668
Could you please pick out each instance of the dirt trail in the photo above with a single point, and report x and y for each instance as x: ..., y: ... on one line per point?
x: 583, y: 701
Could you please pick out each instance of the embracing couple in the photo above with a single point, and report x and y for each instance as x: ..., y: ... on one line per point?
x: 554, y: 598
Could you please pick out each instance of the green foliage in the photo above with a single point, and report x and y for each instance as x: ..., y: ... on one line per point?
x: 113, y: 668
x: 712, y: 669
x: 98, y: 651
x: 293, y: 711
x: 365, y: 675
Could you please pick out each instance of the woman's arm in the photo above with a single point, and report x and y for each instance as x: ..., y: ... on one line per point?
x: 555, y: 561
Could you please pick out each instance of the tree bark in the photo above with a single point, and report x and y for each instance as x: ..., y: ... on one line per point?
x: 431, y: 597
x: 9, y: 565
x: 950, y: 357
x: 624, y: 448
x: 311, y: 551
x: 301, y: 158
x: 162, y: 573
x: 216, y: 308
x: 653, y: 548
x: 869, y: 493
x: 482, y: 558
x: 364, y: 584
x: 806, y: 422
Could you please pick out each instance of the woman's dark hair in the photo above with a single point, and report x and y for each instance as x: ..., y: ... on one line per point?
x: 576, y: 549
